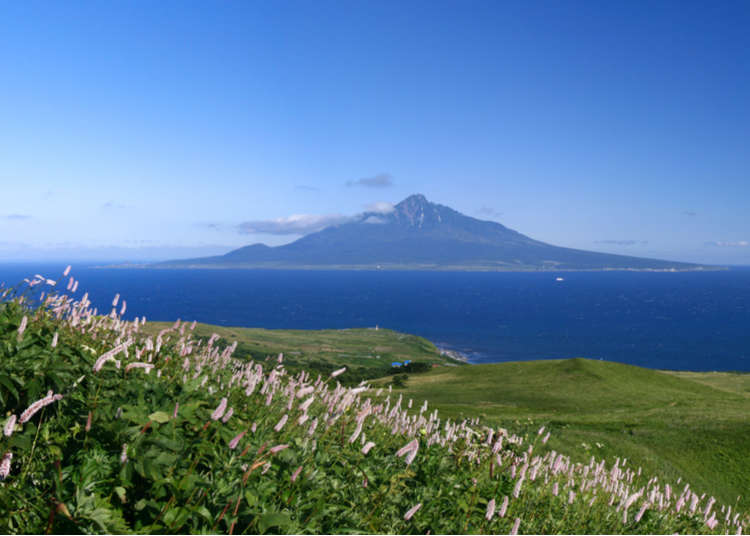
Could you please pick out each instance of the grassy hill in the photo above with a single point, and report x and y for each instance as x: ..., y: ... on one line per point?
x: 676, y: 424
x: 367, y: 353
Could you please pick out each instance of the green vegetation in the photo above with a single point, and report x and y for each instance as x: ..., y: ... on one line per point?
x: 367, y: 353
x: 674, y: 424
x: 113, y: 427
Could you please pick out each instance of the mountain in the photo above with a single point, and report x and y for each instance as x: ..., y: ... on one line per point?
x: 418, y: 234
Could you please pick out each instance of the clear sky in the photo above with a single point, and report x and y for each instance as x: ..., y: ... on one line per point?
x: 134, y: 129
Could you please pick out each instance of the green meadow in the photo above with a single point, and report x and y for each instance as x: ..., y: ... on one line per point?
x: 366, y: 352
x: 689, y: 425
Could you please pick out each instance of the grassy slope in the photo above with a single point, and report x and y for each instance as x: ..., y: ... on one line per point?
x: 678, y: 424
x: 352, y: 347
x: 675, y: 424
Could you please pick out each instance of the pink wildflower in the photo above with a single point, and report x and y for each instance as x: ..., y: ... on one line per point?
x: 278, y: 448
x: 503, y: 507
x: 117, y: 299
x: 312, y: 428
x: 220, y: 409
x: 235, y: 441
x: 10, y: 424
x: 67, y: 271
x: 338, y: 372
x: 281, y: 423
x: 305, y: 391
x: 306, y: 404
x: 490, y: 509
x: 108, y: 356
x: 124, y: 454
x: 516, y: 525
x: 176, y: 407
x: 5, y: 465
x: 410, y: 449
x: 131, y: 366
x: 571, y: 497
x: 368, y: 446
x: 22, y: 326
x: 88, y: 421
x: 296, y: 473
x: 642, y: 511
x: 254, y: 427
x: 413, y: 510
x: 356, y: 432
x: 36, y: 406
x: 517, y: 488
x: 54, y: 340
x: 227, y: 415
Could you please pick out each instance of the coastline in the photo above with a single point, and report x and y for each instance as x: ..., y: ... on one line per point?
x: 400, y: 267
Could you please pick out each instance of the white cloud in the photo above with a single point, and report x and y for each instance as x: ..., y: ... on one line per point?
x: 622, y: 242
x: 295, y: 224
x: 380, y: 207
x: 737, y: 244
x: 381, y: 180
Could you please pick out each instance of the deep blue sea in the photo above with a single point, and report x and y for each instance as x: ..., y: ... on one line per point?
x: 686, y: 321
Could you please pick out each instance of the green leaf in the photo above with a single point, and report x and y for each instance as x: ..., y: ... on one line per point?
x: 121, y: 493
x: 250, y: 498
x: 159, y: 416
x: 273, y: 519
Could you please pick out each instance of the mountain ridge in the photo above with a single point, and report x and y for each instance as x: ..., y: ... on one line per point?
x: 418, y: 234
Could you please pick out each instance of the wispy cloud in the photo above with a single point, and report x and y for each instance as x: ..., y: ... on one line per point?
x: 622, y: 242
x: 489, y: 211
x: 722, y: 244
x: 130, y: 251
x: 301, y: 224
x: 689, y: 213
x: 380, y: 207
x: 17, y: 217
x: 307, y: 188
x: 113, y: 205
x: 381, y: 180
x: 213, y: 225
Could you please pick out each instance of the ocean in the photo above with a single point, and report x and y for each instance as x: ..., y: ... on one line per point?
x: 682, y: 321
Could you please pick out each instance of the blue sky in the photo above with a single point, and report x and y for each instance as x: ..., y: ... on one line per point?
x: 142, y: 130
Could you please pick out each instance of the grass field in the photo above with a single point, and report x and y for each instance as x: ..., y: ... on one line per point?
x: 677, y: 424
x: 367, y: 353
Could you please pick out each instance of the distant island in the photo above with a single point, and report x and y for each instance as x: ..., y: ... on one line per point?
x: 420, y: 235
